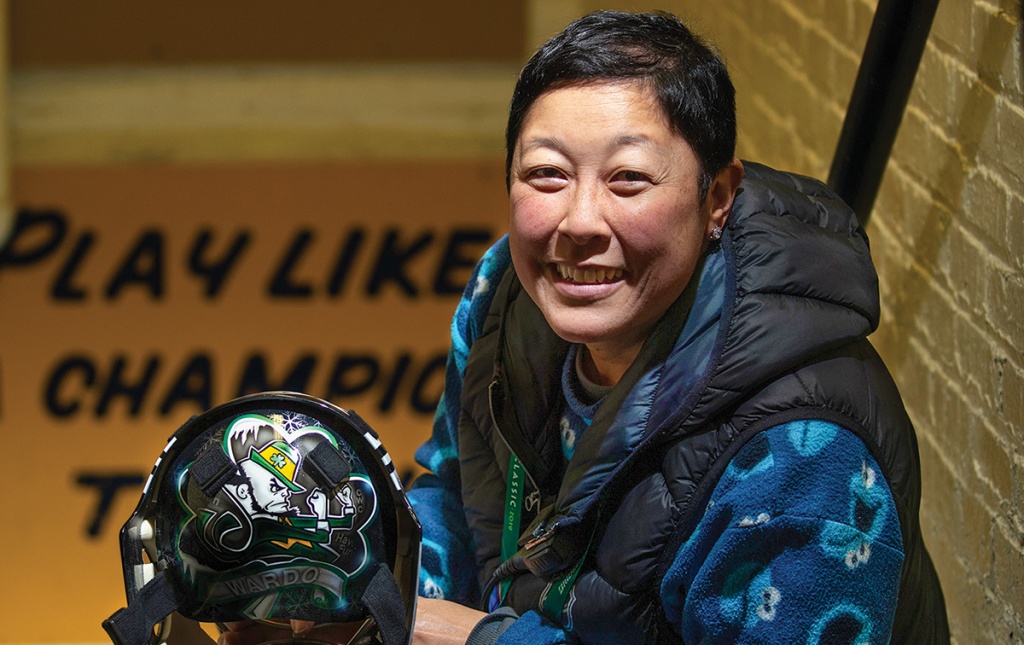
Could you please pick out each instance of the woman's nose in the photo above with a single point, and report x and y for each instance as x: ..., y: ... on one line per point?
x: 584, y: 217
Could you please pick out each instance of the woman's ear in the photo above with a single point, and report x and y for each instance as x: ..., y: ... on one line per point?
x: 722, y: 193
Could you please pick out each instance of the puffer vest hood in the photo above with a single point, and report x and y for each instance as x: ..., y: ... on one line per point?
x: 774, y: 330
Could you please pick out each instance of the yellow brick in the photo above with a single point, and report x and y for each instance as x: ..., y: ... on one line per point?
x: 987, y: 199
x: 974, y: 539
x: 1015, y: 233
x: 1009, y: 151
x: 992, y: 47
x: 935, y: 161
x: 963, y: 263
x: 841, y: 86
x: 935, y: 324
x: 952, y: 23
x: 931, y: 92
x: 786, y: 34
x: 1008, y: 582
x: 837, y: 23
x: 965, y: 602
x: 993, y: 466
x: 861, y: 19
x: 915, y: 382
x: 821, y: 50
x: 1006, y: 304
x: 938, y: 495
x: 979, y: 364
x: 816, y: 10
x: 1012, y: 406
x: 891, y: 206
x: 954, y: 424
x: 973, y: 124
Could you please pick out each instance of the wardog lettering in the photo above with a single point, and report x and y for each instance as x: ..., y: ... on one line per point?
x: 268, y: 580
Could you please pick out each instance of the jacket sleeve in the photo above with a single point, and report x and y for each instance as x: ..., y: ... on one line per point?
x: 504, y: 627
x: 800, y: 543
x: 448, y: 562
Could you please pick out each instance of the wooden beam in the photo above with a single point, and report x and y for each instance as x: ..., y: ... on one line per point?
x: 259, y: 112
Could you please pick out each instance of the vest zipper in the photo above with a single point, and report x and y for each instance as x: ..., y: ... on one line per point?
x: 498, y: 429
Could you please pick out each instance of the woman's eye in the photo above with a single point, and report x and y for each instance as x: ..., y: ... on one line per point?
x: 545, y: 173
x: 629, y: 182
x: 546, y: 178
x: 630, y: 176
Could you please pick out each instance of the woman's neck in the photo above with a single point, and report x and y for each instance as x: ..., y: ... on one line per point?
x: 603, y: 367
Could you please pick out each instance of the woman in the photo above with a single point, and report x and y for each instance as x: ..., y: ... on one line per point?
x: 662, y: 420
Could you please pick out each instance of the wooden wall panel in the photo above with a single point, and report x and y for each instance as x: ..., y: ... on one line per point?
x: 58, y: 33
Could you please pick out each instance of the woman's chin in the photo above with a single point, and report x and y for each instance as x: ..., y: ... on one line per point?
x: 572, y: 329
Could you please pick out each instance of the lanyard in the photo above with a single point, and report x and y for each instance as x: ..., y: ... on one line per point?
x: 513, y: 513
x: 552, y: 600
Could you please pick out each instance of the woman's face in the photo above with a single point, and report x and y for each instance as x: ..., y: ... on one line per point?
x: 606, y: 221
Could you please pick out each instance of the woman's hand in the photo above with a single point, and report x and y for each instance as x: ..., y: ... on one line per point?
x: 438, y: 622
x: 442, y: 622
x: 251, y: 633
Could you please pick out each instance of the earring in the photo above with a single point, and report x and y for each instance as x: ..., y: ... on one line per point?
x: 716, y: 233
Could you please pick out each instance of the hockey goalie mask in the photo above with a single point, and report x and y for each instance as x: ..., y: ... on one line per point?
x: 271, y: 508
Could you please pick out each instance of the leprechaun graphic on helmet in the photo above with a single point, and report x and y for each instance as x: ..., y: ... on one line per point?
x: 264, y: 511
x: 270, y: 519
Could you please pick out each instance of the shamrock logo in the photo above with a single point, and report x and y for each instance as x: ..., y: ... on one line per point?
x: 278, y: 460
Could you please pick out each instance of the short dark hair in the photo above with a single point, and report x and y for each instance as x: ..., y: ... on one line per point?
x: 688, y: 77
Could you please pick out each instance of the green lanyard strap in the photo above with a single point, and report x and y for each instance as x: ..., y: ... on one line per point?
x: 513, y: 513
x: 553, y: 599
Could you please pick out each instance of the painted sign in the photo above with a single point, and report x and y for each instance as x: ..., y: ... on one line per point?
x: 132, y: 297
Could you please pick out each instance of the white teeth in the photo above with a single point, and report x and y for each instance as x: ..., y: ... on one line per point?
x: 588, y: 276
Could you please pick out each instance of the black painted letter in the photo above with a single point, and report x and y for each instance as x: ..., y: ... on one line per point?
x: 391, y: 263
x: 134, y: 393
x: 282, y: 285
x: 254, y: 377
x: 51, y: 225
x: 64, y: 370
x: 457, y: 258
x: 108, y: 486
x: 194, y: 383
x: 144, y: 265
x: 217, y: 270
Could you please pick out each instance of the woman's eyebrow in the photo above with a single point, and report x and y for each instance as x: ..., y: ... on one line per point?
x: 543, y: 142
x: 625, y: 140
x: 621, y: 141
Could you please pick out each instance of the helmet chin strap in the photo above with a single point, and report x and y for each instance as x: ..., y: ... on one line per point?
x: 384, y: 601
x: 133, y: 625
x: 156, y: 601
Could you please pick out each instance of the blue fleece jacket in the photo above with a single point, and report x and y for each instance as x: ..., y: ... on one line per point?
x: 800, y: 542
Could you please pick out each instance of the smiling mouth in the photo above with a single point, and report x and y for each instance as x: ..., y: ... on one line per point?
x: 587, y: 276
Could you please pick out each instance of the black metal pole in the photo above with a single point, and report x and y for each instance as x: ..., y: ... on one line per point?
x: 887, y: 69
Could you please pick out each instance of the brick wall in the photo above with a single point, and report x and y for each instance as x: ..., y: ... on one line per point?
x: 948, y: 240
x: 947, y: 235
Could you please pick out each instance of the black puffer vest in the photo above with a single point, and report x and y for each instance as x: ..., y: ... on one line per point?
x: 774, y: 330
